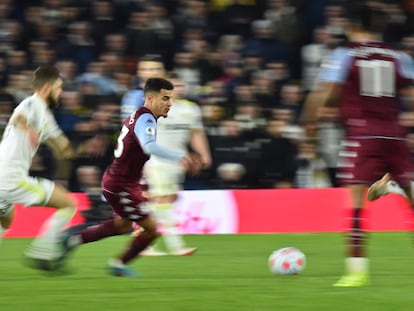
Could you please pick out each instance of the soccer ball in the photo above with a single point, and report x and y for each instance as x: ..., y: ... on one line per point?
x: 287, y: 260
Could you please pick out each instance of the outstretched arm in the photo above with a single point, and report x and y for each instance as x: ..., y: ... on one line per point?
x: 145, y: 131
x: 61, y: 147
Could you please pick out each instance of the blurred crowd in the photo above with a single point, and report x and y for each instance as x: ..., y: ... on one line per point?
x: 249, y: 64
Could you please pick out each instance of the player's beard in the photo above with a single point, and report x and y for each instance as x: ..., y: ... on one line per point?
x: 52, y: 101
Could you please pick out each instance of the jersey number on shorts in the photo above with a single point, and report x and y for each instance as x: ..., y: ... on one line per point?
x: 120, y: 142
x: 376, y: 78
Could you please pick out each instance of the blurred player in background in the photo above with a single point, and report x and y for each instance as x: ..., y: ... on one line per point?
x: 149, y: 66
x: 367, y: 79
x: 121, y: 180
x: 182, y: 129
x: 31, y: 124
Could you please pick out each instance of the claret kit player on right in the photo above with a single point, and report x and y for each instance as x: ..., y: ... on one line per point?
x: 367, y: 79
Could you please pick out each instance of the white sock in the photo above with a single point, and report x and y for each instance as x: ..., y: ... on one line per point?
x: 173, y: 240
x: 165, y: 216
x: 51, y: 228
x: 356, y: 265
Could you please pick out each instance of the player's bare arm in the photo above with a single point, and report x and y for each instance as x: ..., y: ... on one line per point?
x: 200, y: 145
x: 407, y: 93
x: 192, y: 164
x: 325, y: 94
x: 61, y: 147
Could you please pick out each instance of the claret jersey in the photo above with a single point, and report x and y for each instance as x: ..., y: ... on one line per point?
x: 129, y: 156
x: 371, y: 75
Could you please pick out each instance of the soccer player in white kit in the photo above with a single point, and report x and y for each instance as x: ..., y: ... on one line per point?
x: 31, y: 124
x: 182, y: 127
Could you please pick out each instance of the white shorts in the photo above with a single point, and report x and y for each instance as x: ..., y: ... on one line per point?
x: 28, y: 191
x: 163, y: 179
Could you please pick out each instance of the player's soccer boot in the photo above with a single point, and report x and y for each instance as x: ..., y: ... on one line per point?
x: 117, y: 268
x: 384, y: 186
x: 151, y: 251
x: 352, y: 280
x: 66, y: 245
x: 41, y: 258
x: 185, y: 251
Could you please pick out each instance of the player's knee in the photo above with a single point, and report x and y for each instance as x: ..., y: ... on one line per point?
x: 71, y: 202
x: 125, y: 227
x: 122, y: 225
x: 5, y: 222
x: 7, y: 218
x: 165, y: 199
x: 153, y: 232
x: 173, y: 197
x: 63, y: 202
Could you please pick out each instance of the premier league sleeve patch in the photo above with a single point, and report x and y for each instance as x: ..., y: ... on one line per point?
x: 150, y: 131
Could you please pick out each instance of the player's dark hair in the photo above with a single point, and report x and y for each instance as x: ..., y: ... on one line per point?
x: 157, y: 84
x: 43, y: 75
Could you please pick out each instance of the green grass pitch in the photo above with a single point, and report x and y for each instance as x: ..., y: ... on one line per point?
x: 229, y: 272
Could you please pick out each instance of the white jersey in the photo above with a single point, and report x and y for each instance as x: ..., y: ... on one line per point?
x: 174, y: 132
x: 16, y: 152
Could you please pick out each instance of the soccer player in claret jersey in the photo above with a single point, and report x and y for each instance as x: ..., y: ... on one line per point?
x: 121, y: 180
x: 31, y: 124
x: 366, y: 78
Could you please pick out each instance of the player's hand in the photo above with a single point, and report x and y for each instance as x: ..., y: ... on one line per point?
x: 192, y: 164
x: 205, y: 161
x: 68, y: 154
